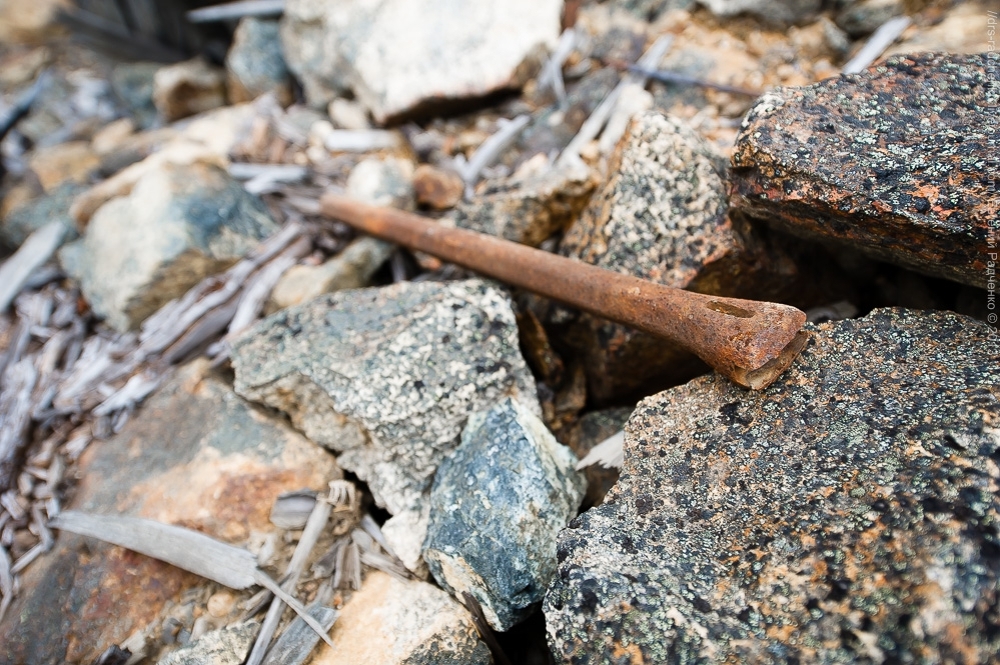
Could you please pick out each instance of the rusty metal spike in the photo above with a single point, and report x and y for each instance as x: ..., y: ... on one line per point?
x: 749, y: 342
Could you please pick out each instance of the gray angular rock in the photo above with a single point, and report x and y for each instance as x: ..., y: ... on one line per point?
x: 404, y: 56
x: 255, y: 65
x: 528, y: 209
x: 662, y: 216
x: 23, y: 220
x: 132, y: 83
x: 497, y: 504
x: 846, y: 514
x: 225, y: 646
x: 387, y: 376
x: 179, y: 224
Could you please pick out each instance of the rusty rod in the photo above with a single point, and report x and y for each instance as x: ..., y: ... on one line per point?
x: 749, y: 342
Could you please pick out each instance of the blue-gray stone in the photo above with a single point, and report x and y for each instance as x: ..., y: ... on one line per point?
x: 497, y: 506
x: 27, y: 218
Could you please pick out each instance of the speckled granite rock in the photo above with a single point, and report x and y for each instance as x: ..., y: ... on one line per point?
x: 392, y: 622
x: 846, y: 514
x: 255, y: 65
x: 662, y: 216
x: 889, y: 162
x: 178, y: 224
x: 497, y: 504
x: 528, y: 209
x: 405, y: 56
x: 387, y: 376
x: 195, y: 455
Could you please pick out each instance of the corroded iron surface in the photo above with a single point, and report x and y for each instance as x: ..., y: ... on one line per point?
x: 747, y: 341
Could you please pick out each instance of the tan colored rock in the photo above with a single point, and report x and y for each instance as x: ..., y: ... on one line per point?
x: 113, y: 136
x: 194, y: 455
x: 187, y: 88
x: 438, y: 188
x: 353, y: 268
x: 391, y: 622
x: 72, y: 161
x: 28, y: 21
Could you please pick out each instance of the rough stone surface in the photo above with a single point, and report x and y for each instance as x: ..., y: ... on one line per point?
x: 528, y: 209
x: 382, y: 182
x: 774, y: 11
x: 225, y: 646
x: 403, y: 56
x: 387, y: 376
x: 195, y: 455
x: 438, y: 188
x: 177, y: 225
x: 351, y: 269
x: 662, y: 216
x: 187, y: 88
x: 846, y: 514
x: 888, y: 162
x: 497, y: 504
x: 54, y: 165
x: 255, y: 65
x: 391, y: 622
x: 28, y: 217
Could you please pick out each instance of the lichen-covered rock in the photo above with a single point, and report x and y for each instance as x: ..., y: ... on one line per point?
x: 255, y: 65
x: 195, y: 455
x: 387, y: 376
x: 392, y: 622
x: 528, y: 209
x: 888, y: 162
x: 404, y: 56
x: 176, y: 226
x: 846, y: 514
x: 662, y: 216
x: 497, y: 504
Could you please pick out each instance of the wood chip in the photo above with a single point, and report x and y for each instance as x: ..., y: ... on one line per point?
x: 36, y: 250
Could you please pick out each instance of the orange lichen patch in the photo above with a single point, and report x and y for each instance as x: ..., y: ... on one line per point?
x: 631, y: 652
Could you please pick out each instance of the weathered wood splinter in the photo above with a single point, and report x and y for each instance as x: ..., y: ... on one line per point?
x: 747, y: 341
